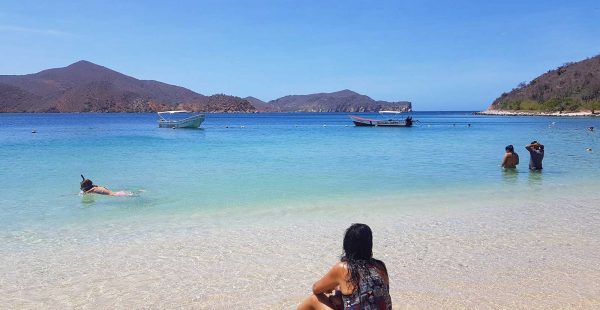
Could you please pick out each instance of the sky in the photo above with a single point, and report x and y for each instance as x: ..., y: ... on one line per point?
x: 440, y: 55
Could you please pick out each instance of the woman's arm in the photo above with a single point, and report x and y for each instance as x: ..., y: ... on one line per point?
x: 330, y: 280
x: 504, y: 160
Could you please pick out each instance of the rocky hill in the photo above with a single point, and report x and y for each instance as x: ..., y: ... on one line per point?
x: 568, y: 88
x: 87, y: 87
x: 341, y: 101
x: 260, y: 105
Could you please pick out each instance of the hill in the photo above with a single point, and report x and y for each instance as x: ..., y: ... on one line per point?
x: 87, y: 87
x: 260, y: 105
x: 571, y: 87
x: 341, y: 101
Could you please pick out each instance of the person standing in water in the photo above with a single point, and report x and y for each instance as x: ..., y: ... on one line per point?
x: 358, y: 281
x: 536, y: 152
x: 511, y: 159
x: 88, y: 187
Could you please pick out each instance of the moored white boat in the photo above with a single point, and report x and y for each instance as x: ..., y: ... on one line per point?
x: 179, y: 119
x: 361, y: 121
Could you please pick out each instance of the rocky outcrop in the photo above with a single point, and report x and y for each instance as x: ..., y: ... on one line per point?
x: 341, y: 101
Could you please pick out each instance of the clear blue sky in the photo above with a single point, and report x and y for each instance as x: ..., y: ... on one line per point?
x: 441, y: 55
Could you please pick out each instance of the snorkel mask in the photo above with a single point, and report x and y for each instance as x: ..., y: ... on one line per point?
x: 86, y: 184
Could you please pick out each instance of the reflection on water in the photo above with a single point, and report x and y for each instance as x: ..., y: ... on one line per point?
x: 535, y: 177
x: 510, y: 175
x: 87, y: 198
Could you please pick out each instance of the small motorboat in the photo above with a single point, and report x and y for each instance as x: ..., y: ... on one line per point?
x: 392, y: 122
x: 179, y: 119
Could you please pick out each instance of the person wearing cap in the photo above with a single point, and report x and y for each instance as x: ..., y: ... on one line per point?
x: 511, y: 159
x: 536, y: 152
x: 88, y: 187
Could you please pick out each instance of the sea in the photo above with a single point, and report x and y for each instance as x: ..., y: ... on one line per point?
x: 238, y: 170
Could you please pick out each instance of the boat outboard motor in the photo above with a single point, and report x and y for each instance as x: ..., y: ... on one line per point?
x: 408, y: 121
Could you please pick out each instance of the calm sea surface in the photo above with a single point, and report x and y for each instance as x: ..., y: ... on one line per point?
x: 249, y: 162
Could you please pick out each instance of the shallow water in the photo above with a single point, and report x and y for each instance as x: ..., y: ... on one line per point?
x: 255, y: 205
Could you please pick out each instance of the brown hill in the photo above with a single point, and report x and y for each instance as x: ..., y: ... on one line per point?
x: 87, y: 87
x: 570, y: 87
x: 260, y: 105
x: 341, y: 101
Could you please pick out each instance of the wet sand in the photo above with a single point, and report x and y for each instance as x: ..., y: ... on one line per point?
x: 487, y: 254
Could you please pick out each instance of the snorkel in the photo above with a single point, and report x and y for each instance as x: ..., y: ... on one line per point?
x: 86, y: 184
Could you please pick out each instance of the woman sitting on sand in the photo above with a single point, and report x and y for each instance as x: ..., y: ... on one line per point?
x: 358, y: 281
x: 88, y: 187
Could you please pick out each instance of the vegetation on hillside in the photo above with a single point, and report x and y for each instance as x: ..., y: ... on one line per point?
x: 568, y: 88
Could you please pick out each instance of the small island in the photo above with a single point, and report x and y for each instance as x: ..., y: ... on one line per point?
x: 572, y: 89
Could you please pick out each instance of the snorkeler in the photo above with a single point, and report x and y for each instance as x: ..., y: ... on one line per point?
x: 88, y: 187
x: 511, y: 159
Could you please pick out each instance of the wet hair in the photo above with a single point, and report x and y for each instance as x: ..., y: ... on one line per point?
x: 510, y: 148
x: 86, y: 184
x: 358, y: 252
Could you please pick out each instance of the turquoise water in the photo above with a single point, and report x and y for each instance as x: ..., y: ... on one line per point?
x: 242, y: 162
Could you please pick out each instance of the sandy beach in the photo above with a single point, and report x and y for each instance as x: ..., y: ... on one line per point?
x: 535, y: 113
x: 534, y: 254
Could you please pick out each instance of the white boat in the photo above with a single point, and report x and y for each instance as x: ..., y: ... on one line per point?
x: 179, y: 119
x: 392, y: 122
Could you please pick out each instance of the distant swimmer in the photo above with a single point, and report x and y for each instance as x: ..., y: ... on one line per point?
x: 536, y: 152
x: 88, y: 187
x: 591, y: 128
x: 511, y: 159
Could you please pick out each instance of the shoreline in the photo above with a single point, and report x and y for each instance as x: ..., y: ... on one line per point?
x: 535, y: 113
x: 516, y: 253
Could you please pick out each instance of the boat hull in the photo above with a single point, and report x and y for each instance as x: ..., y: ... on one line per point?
x: 190, y: 122
x: 359, y: 121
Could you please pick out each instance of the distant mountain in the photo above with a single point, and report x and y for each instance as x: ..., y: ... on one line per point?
x: 260, y: 105
x: 341, y: 101
x: 570, y: 87
x: 87, y: 87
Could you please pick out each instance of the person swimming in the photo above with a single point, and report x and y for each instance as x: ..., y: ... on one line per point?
x: 88, y: 187
x: 511, y: 159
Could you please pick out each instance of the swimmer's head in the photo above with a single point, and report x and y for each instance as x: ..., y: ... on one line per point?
x: 86, y: 184
x: 509, y: 149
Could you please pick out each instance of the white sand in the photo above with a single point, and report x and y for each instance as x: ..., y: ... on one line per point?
x: 534, y: 254
x: 534, y: 113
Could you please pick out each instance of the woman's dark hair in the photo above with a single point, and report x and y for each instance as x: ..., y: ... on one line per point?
x: 358, y: 252
x: 510, y: 148
x: 86, y: 184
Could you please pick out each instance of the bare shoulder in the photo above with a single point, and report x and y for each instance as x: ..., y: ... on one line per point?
x: 340, y: 268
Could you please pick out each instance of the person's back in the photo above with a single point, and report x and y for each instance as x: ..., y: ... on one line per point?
x: 536, y: 152
x: 358, y: 281
x: 511, y: 159
x: 372, y: 292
